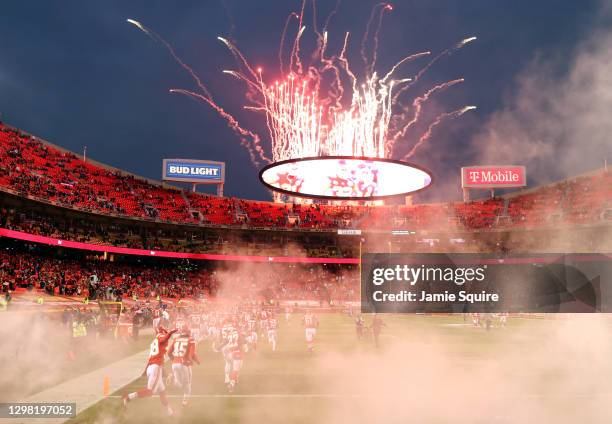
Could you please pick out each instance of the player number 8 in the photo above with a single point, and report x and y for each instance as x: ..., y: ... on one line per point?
x: 154, y: 348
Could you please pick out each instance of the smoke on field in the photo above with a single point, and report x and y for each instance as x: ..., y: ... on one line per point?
x: 31, y: 348
x: 419, y: 377
x: 35, y: 354
x: 425, y: 375
x: 245, y: 281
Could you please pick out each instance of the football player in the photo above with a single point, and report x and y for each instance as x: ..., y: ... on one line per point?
x: 272, y: 332
x: 154, y: 370
x: 183, y: 354
x: 311, y: 322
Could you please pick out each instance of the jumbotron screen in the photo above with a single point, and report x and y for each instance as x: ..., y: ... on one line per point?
x: 344, y: 177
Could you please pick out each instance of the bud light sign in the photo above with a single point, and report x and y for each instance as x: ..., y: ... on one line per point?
x: 194, y: 171
x: 493, y: 176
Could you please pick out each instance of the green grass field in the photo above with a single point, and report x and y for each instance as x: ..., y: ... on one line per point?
x: 424, y: 367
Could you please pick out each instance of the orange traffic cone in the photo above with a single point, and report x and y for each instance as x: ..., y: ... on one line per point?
x: 106, y: 386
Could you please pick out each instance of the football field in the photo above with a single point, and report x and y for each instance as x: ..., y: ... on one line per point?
x: 427, y: 369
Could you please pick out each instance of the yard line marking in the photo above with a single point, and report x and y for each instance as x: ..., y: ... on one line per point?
x: 268, y: 395
x: 330, y: 395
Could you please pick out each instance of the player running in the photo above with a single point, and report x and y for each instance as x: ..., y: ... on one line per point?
x: 273, y: 332
x: 476, y: 319
x: 154, y: 371
x: 196, y: 323
x: 156, y: 318
x: 251, y: 326
x: 311, y: 322
x: 287, y: 313
x: 233, y: 353
x: 377, y: 325
x: 183, y: 354
x: 359, y: 325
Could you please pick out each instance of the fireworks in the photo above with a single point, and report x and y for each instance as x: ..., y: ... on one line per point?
x: 321, y: 107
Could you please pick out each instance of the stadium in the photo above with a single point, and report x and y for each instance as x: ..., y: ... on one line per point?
x: 170, y: 298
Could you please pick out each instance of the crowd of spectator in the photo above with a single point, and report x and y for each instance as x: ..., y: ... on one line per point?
x: 101, y: 280
x: 33, y: 168
x: 95, y: 279
x: 169, y: 238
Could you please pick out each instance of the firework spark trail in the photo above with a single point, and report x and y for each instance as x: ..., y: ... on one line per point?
x: 401, y: 62
x: 298, y: 60
x: 441, y: 118
x: 156, y: 37
x: 231, y: 121
x: 315, y: 28
x: 423, y: 70
x: 241, y: 77
x: 345, y: 64
x: 417, y: 104
x: 295, y: 51
x: 389, y: 8
x: 331, y: 15
x: 282, y: 40
x: 328, y: 66
x: 366, y: 34
x: 208, y: 98
x: 336, y: 87
x: 322, y: 35
x: 238, y: 56
x: 319, y: 51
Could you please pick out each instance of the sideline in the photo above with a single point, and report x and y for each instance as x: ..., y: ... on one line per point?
x: 86, y: 389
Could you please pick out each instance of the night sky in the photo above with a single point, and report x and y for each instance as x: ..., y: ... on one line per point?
x: 75, y: 73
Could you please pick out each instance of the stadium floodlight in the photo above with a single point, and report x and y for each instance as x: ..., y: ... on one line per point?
x: 345, y: 177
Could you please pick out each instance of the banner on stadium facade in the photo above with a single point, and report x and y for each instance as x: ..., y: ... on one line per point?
x: 193, y: 171
x: 349, y: 232
x: 403, y: 232
x: 493, y: 176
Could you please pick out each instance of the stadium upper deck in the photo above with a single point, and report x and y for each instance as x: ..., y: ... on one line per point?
x: 40, y: 171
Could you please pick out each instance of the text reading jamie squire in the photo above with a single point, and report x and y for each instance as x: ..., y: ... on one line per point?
x: 461, y: 282
x: 417, y: 279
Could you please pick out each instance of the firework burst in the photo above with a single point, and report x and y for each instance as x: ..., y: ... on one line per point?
x: 320, y: 106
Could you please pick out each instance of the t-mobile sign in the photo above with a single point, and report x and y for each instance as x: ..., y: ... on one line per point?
x: 493, y: 176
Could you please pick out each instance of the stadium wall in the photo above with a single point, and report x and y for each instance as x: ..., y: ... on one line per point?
x: 19, y: 235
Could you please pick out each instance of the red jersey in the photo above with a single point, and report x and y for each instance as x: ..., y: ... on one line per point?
x: 310, y: 321
x: 158, y: 347
x: 195, y: 320
x: 235, y: 343
x: 272, y: 324
x: 183, y: 351
x: 226, y: 330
